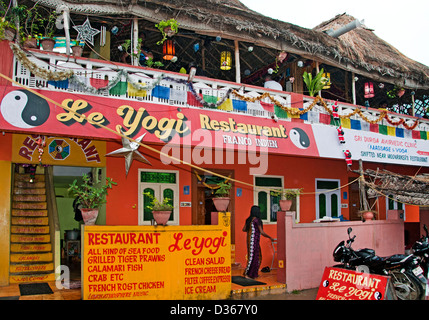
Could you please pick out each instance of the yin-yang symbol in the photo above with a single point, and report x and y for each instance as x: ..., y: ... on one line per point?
x: 24, y: 109
x: 299, y: 138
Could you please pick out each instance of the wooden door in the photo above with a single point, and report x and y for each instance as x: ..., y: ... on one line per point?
x: 202, y: 195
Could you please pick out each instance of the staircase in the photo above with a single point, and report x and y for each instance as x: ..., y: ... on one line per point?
x: 31, y: 255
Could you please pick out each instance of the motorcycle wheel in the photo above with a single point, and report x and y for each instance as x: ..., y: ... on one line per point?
x: 407, y: 286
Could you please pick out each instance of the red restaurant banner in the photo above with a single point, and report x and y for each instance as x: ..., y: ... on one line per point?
x: 25, y: 112
x: 342, y: 284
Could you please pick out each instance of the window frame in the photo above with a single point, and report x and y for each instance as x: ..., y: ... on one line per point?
x: 328, y: 195
x: 257, y: 189
x: 161, y: 186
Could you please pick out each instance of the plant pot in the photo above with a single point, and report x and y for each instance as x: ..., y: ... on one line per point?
x: 30, y: 43
x: 47, y: 44
x: 169, y: 32
x: 285, y: 205
x: 221, y: 204
x: 367, y: 215
x: 77, y: 51
x: 89, y: 216
x: 161, y: 217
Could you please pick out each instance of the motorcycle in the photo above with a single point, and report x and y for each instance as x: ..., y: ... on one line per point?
x: 421, y: 250
x: 404, y: 270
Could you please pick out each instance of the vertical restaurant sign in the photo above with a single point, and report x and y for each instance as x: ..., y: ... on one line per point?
x: 342, y: 284
x: 58, y: 151
x: 157, y: 262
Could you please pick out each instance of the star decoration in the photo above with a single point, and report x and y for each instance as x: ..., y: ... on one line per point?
x: 86, y: 32
x: 130, y: 152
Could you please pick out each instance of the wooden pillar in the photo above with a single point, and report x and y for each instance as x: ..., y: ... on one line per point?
x: 237, y: 62
x: 135, y: 42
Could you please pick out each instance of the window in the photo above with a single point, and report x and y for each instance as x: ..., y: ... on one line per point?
x: 391, y: 204
x: 268, y: 203
x: 328, y: 197
x: 161, y: 184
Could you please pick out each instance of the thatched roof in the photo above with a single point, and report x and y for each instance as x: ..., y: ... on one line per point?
x: 406, y: 189
x: 360, y: 51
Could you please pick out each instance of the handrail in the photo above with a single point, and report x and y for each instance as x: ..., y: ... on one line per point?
x: 90, y: 69
x: 54, y: 223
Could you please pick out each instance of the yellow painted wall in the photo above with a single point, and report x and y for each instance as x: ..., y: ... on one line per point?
x: 5, y: 192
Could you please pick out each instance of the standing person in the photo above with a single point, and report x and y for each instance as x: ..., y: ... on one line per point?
x: 253, y: 227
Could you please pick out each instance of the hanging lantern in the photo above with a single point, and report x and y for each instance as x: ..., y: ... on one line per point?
x: 369, y: 90
x: 225, y: 60
x: 328, y: 82
x: 168, y: 50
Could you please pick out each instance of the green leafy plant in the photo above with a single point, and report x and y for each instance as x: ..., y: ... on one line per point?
x: 316, y: 84
x: 9, y: 16
x: 39, y: 23
x: 157, y: 205
x: 163, y: 26
x: 288, y: 194
x: 153, y: 64
x: 89, y: 195
x: 223, y: 190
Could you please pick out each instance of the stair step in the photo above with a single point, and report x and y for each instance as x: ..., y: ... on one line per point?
x: 29, y: 213
x: 27, y: 176
x: 29, y: 191
x: 31, y: 268
x: 30, y: 247
x: 29, y: 205
x: 48, y: 277
x: 30, y: 229
x: 29, y: 185
x: 36, y: 221
x: 19, y: 238
x: 29, y: 197
x: 30, y: 257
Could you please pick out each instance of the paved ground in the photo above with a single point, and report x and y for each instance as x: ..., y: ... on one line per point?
x: 309, y: 294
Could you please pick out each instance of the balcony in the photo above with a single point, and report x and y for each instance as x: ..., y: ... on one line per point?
x: 121, y: 81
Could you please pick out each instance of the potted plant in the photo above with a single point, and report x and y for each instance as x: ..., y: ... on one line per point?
x: 77, y: 48
x: 9, y: 15
x: 221, y: 199
x: 161, y: 210
x: 287, y: 197
x: 168, y: 29
x: 316, y: 84
x: 90, y: 197
x: 367, y: 214
x: 39, y: 25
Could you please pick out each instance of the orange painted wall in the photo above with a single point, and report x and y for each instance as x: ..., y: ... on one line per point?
x: 298, y: 172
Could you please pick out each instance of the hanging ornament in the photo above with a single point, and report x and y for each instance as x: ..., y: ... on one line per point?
x: 41, y: 143
x: 369, y: 90
x: 335, y: 111
x: 225, y: 60
x: 129, y: 151
x: 86, y: 32
x: 348, y: 156
x: 341, y: 135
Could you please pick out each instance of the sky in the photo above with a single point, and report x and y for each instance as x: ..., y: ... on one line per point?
x: 402, y: 24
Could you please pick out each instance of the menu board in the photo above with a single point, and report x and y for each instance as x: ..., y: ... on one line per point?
x: 157, y: 262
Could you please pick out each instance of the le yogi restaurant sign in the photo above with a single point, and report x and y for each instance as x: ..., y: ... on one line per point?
x: 157, y: 262
x: 22, y: 110
x: 342, y: 284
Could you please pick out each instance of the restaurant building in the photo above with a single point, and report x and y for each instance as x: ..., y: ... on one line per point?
x: 178, y: 135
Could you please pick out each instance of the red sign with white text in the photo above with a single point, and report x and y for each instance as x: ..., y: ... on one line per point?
x: 342, y: 284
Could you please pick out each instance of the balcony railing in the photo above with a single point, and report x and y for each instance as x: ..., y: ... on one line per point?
x: 120, y: 81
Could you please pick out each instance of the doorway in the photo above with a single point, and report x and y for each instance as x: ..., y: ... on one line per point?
x: 203, y: 192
